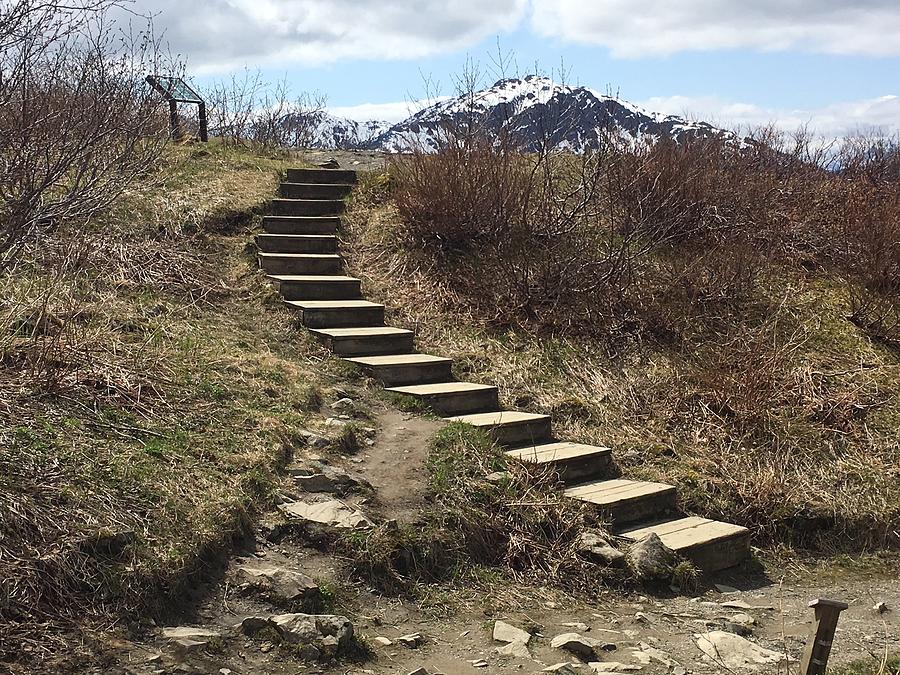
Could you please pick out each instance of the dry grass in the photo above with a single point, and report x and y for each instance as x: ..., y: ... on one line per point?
x: 150, y: 390
x: 782, y: 415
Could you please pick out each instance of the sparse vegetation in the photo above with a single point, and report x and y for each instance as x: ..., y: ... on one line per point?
x: 721, y: 315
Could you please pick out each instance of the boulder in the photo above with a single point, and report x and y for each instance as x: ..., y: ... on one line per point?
x: 650, y: 559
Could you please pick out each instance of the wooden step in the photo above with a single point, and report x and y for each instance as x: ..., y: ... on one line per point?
x: 318, y: 175
x: 339, y: 313
x: 453, y: 398
x: 314, y: 190
x: 300, y: 224
x: 301, y: 263
x: 316, y: 287
x: 626, y: 501
x: 307, y: 207
x: 573, y: 461
x: 400, y: 369
x: 711, y: 545
x: 296, y: 243
x: 368, y: 341
x: 510, y: 427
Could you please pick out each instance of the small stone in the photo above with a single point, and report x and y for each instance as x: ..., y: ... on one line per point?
x: 742, y: 619
x: 419, y: 671
x: 722, y: 588
x: 314, y: 440
x: 504, y: 632
x: 594, y: 546
x: 564, y: 668
x: 584, y: 648
x: 517, y: 649
x: 411, y: 641
x: 880, y: 607
x: 612, y: 667
x: 383, y: 641
x: 343, y: 404
x: 479, y: 663
x: 497, y: 477
x: 740, y: 604
x: 190, y: 632
x: 578, y: 627
x: 640, y: 617
x: 187, y: 645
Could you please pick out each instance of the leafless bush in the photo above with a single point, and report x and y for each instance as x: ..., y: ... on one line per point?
x: 77, y: 123
x: 246, y: 110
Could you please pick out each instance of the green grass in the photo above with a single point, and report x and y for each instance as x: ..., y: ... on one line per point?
x: 890, y: 666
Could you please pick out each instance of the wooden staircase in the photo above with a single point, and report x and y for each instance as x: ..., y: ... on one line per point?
x: 299, y: 253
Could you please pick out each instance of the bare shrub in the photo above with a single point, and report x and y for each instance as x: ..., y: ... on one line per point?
x: 77, y: 123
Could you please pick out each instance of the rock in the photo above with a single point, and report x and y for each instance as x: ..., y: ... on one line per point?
x: 594, y: 546
x: 419, y: 671
x: 646, y: 653
x: 640, y: 617
x: 317, y: 634
x: 504, y: 632
x: 411, y: 641
x: 612, y: 667
x: 497, y: 477
x: 190, y: 633
x: 313, y: 440
x: 880, y: 607
x: 332, y: 513
x: 578, y: 627
x: 330, y: 164
x: 740, y: 604
x: 650, y: 559
x: 742, y: 619
x: 733, y: 651
x: 324, y: 478
x: 564, y: 668
x: 383, y: 641
x: 516, y: 648
x: 722, y: 588
x: 184, y: 646
x: 279, y: 585
x: 584, y: 648
x: 479, y: 663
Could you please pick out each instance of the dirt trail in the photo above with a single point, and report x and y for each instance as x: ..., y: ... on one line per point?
x: 656, y: 634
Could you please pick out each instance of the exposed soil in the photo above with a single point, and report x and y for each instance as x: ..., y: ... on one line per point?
x: 456, y: 624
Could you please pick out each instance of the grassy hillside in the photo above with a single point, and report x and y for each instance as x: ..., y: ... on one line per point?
x: 150, y: 387
x: 773, y: 410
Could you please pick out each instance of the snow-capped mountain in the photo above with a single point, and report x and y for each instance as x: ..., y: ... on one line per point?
x: 536, y: 110
x: 329, y: 132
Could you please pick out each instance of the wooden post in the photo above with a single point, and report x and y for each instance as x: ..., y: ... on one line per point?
x: 818, y: 646
x: 173, y: 118
x: 204, y: 130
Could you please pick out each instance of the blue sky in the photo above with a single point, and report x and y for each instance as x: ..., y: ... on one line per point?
x: 830, y: 63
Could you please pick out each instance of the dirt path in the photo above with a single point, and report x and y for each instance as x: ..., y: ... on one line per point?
x: 656, y: 634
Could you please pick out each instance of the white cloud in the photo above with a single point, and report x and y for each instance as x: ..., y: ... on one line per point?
x: 656, y: 27
x: 831, y: 121
x: 220, y: 35
x: 389, y: 112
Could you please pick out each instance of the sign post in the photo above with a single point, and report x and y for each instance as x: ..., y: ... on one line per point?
x: 175, y: 91
x: 818, y: 646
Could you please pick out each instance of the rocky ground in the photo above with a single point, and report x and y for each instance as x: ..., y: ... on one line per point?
x: 261, y: 613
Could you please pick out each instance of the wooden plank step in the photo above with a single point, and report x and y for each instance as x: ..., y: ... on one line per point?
x: 307, y: 207
x: 317, y: 286
x: 301, y: 263
x: 453, y: 398
x: 300, y: 224
x: 399, y: 369
x: 319, y: 175
x: 573, y: 461
x: 626, y: 501
x: 710, y: 544
x: 510, y: 427
x: 339, y: 313
x: 314, y: 190
x: 297, y: 243
x: 366, y: 341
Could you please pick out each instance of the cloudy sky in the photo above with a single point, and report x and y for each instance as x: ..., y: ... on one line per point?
x: 833, y: 64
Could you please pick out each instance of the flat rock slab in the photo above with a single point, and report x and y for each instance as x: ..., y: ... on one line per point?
x: 189, y: 633
x: 733, y: 651
x: 333, y: 513
x: 505, y: 632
